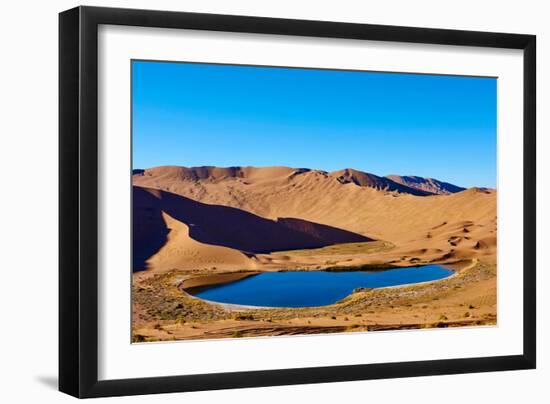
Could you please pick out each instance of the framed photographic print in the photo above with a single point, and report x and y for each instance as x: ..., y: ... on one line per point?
x: 250, y: 201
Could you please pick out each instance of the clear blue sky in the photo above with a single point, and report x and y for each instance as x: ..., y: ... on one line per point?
x: 442, y: 127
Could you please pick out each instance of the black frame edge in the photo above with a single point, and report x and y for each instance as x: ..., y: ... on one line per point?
x: 529, y: 201
x: 78, y: 205
x: 284, y: 377
x: 69, y: 79
x: 308, y: 28
x: 88, y: 193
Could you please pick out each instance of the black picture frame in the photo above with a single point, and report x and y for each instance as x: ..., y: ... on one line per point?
x: 78, y: 201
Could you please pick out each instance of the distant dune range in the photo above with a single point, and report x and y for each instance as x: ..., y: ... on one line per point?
x: 216, y: 217
x: 429, y: 185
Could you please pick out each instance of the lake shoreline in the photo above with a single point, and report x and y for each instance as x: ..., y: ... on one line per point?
x: 164, y: 311
x: 196, y: 285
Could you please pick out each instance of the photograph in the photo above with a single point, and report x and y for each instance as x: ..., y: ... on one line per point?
x: 272, y: 201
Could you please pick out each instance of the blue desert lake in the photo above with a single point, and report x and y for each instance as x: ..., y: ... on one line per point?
x: 311, y: 288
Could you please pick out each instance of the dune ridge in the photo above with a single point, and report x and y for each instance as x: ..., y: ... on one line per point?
x: 392, y: 183
x: 430, y: 185
x: 362, y: 179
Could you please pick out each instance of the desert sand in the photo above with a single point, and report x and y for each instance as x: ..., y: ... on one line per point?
x: 209, y: 224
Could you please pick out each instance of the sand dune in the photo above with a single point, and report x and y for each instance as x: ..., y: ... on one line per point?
x: 218, y: 225
x: 183, y: 252
x: 429, y: 185
x: 211, y: 173
x: 362, y: 179
x: 329, y: 234
x: 195, y: 226
x: 429, y: 227
x: 408, y: 184
x: 149, y: 229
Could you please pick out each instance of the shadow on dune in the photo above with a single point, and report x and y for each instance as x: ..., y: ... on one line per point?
x: 329, y: 234
x: 148, y: 228
x: 223, y: 226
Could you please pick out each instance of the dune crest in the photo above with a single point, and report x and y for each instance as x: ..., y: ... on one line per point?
x: 430, y: 185
x: 181, y: 251
x: 212, y: 173
x: 362, y: 179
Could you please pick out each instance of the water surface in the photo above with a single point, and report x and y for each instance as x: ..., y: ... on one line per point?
x: 312, y: 288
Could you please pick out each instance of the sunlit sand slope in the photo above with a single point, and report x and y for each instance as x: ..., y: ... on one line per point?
x: 428, y: 227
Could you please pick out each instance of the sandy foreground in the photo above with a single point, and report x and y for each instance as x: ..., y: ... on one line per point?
x: 226, y: 226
